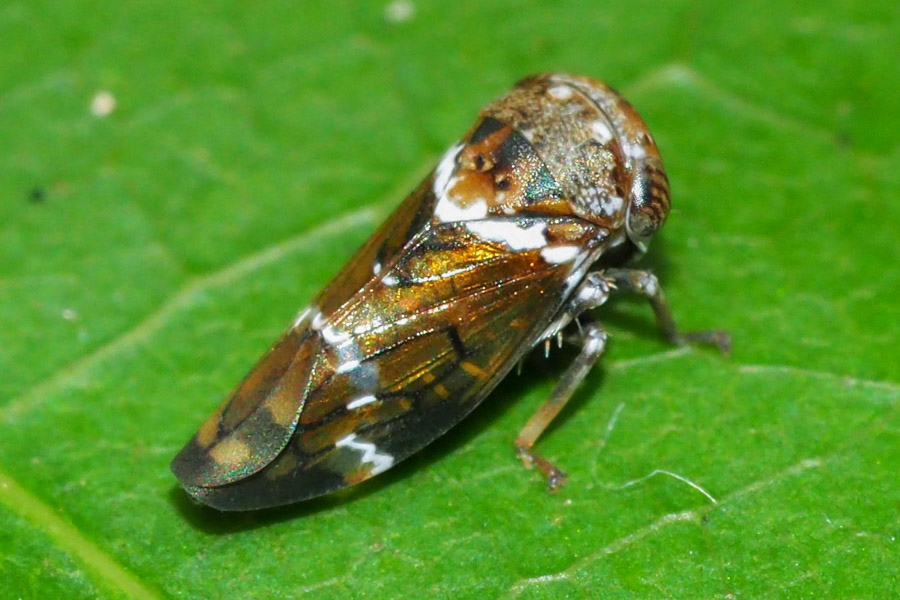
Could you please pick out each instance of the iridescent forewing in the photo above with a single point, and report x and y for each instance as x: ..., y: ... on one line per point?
x: 411, y: 354
x: 423, y: 322
x: 256, y: 421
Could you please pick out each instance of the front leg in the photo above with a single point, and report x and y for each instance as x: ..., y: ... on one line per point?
x: 646, y: 284
x: 594, y: 343
x: 592, y: 292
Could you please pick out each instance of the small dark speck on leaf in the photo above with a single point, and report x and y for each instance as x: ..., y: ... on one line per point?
x: 37, y: 195
x: 843, y: 140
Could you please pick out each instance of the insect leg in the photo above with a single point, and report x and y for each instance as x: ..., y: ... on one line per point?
x: 646, y: 284
x: 591, y: 293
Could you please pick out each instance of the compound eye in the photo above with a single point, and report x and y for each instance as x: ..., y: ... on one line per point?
x: 648, y: 204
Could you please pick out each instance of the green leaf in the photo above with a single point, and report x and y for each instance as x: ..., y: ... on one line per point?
x: 148, y: 255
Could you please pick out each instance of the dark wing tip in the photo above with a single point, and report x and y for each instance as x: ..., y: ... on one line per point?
x: 264, y: 489
x: 192, y: 465
x: 212, y: 498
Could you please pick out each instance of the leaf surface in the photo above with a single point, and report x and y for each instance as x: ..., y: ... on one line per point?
x: 148, y: 256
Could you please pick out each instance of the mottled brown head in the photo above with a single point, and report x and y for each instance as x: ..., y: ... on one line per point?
x: 596, y: 152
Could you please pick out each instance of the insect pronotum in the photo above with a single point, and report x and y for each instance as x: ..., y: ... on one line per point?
x: 524, y: 226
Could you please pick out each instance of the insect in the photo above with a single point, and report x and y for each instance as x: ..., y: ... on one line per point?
x: 521, y: 229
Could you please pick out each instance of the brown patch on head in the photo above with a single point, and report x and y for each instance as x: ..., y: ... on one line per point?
x: 471, y: 185
x: 480, y: 156
x: 498, y: 166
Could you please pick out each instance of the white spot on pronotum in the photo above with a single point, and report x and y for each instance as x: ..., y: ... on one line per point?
x: 601, y: 131
x: 361, y: 401
x: 399, y: 11
x: 511, y: 234
x: 390, y: 280
x: 376, y: 268
x: 610, y: 205
x: 103, y: 104
x: 635, y: 151
x: 380, y: 462
x: 560, y: 92
x: 560, y: 254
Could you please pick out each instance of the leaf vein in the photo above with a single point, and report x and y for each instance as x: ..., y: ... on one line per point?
x: 890, y: 386
x: 180, y: 300
x: 45, y: 518
x: 663, y: 522
x: 679, y: 73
